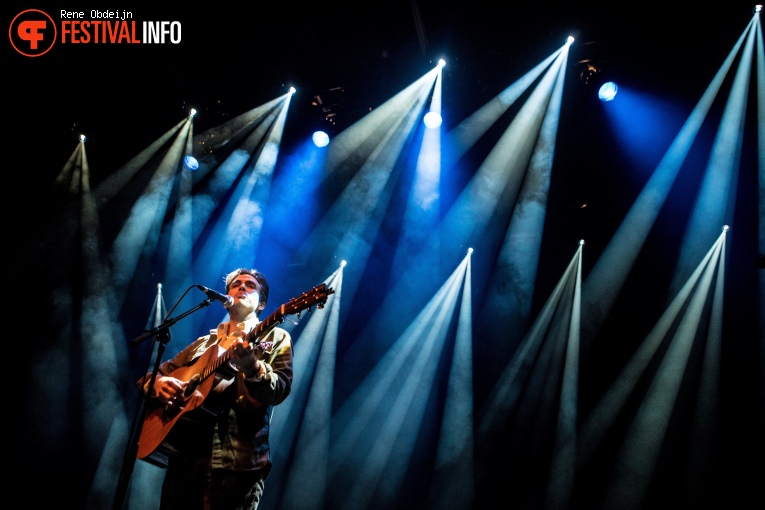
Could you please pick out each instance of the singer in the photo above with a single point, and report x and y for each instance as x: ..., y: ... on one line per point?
x: 220, y: 454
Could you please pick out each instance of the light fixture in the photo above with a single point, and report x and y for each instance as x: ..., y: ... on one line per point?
x: 588, y: 73
x: 82, y: 138
x: 594, y: 73
x: 327, y: 106
x: 190, y: 162
x: 607, y: 91
x: 432, y: 120
x: 192, y: 113
x: 320, y: 139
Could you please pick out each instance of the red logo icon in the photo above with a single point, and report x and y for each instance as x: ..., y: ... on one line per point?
x: 32, y: 33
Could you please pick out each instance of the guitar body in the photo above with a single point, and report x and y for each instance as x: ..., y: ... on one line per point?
x: 161, y: 420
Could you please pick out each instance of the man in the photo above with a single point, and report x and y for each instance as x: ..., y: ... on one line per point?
x: 223, y: 453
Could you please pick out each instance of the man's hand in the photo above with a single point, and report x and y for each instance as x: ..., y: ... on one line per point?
x: 169, y: 390
x: 243, y: 357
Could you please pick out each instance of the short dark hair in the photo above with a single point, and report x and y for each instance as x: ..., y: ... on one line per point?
x: 259, y: 277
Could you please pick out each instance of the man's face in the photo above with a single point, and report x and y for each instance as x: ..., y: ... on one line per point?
x: 245, y: 289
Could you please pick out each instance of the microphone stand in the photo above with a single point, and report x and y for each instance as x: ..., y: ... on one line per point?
x: 161, y: 334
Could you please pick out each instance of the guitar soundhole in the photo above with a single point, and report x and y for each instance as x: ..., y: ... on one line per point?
x: 172, y: 411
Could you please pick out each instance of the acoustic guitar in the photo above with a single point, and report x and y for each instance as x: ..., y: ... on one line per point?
x: 160, y: 420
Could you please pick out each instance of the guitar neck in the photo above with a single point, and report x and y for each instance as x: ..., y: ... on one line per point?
x: 263, y: 327
x: 214, y: 365
x: 253, y: 337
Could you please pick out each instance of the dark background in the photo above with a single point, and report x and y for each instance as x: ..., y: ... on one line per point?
x: 232, y: 59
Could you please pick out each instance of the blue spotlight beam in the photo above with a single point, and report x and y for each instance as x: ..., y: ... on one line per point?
x: 505, y: 393
x: 605, y: 281
x: 453, y: 476
x: 639, y: 453
x: 470, y: 130
x: 142, y: 229
x: 715, y: 203
x: 306, y: 482
x: 368, y: 422
x: 519, y: 253
x: 595, y: 426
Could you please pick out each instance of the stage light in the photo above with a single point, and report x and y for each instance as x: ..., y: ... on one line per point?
x: 192, y: 113
x: 82, y: 138
x: 190, y: 162
x: 342, y: 263
x: 320, y: 139
x: 470, y: 250
x: 607, y: 91
x: 570, y: 40
x: 757, y: 8
x: 441, y: 62
x: 432, y: 120
x: 292, y: 90
x: 328, y: 105
x: 594, y: 74
x: 588, y: 72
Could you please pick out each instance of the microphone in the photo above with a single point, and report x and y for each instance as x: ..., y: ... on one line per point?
x: 227, y: 301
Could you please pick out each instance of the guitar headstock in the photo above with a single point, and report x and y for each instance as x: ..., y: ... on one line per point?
x: 317, y: 296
